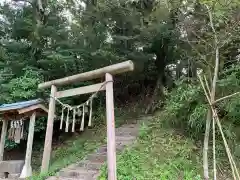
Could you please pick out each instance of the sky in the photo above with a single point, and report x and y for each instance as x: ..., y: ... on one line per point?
x: 2, y: 1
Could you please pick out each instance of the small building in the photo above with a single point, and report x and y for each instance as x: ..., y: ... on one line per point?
x: 13, y: 117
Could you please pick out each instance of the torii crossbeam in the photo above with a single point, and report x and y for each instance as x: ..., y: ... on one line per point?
x: 107, y: 71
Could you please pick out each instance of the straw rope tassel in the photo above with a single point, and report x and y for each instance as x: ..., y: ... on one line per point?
x: 17, y: 132
x: 90, y: 114
x: 82, y: 123
x: 22, y: 126
x: 13, y: 130
x: 62, y: 116
x: 10, y: 132
x: 73, y: 123
x: 67, y: 122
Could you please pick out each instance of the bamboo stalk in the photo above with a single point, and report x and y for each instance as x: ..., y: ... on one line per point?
x: 225, y: 97
x: 215, y: 116
x: 225, y: 144
x: 214, y: 151
x: 206, y: 82
x: 206, y: 135
x: 214, y: 137
x: 205, y: 145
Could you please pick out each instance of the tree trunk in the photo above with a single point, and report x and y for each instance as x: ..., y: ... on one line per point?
x: 158, y: 92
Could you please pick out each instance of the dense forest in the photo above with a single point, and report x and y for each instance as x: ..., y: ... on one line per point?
x: 178, y: 47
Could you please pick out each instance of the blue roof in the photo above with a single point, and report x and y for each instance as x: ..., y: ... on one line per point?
x: 19, y: 105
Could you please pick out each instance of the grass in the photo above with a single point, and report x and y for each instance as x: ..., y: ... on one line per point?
x: 159, y: 153
x: 74, y: 150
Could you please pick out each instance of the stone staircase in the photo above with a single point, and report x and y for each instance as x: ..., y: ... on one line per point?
x: 89, y: 168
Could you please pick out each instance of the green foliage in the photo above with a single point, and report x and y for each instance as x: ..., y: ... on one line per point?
x: 10, y: 144
x: 21, y: 88
x: 186, y: 108
x: 159, y: 153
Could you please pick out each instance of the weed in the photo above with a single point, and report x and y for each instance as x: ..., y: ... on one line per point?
x: 159, y: 153
x: 74, y: 150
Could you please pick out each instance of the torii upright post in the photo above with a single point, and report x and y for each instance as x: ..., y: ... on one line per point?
x: 49, y: 131
x: 111, y: 145
x: 3, y: 137
x: 107, y: 71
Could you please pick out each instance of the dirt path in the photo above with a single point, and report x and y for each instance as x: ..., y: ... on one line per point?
x: 89, y: 168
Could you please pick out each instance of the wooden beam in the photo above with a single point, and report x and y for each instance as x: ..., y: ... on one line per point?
x: 49, y: 132
x: 98, y: 73
x: 81, y: 90
x: 111, y: 143
x: 3, y: 137
x: 27, y: 168
x: 32, y: 108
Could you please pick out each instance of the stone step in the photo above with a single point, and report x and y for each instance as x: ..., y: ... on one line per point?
x: 88, y: 169
x: 120, y: 147
x: 79, y: 169
x: 125, y: 138
x: 97, y: 158
x: 127, y: 132
x: 102, y: 150
x: 60, y: 178
x: 76, y: 174
x: 90, y: 165
x: 129, y: 126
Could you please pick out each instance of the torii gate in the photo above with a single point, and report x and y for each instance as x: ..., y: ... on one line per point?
x: 107, y: 71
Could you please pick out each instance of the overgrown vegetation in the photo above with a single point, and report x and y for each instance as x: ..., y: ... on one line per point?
x: 159, y: 153
x: 186, y: 106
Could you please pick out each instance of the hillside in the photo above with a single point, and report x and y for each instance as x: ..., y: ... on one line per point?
x: 159, y: 152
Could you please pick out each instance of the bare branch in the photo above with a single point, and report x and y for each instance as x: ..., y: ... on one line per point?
x: 206, y: 82
x: 201, y: 56
x: 202, y: 39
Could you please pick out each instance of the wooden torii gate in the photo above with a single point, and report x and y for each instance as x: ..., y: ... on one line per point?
x: 107, y: 71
